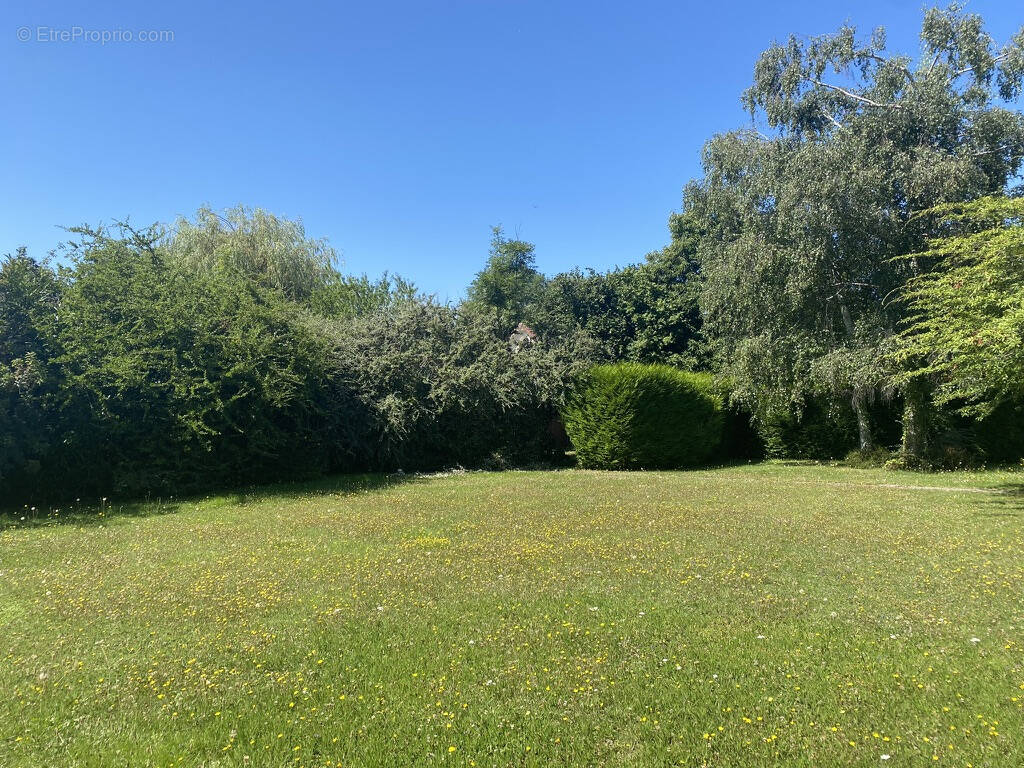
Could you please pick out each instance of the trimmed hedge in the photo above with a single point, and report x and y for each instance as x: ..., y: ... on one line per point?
x: 632, y: 416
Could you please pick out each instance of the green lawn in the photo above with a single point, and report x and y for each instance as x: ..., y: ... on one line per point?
x: 759, y: 615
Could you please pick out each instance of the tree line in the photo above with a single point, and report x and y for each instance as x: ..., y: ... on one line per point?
x: 851, y: 260
x: 849, y: 267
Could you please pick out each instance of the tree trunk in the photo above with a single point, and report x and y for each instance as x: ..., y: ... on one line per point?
x: 860, y: 408
x: 915, y: 423
x: 860, y: 405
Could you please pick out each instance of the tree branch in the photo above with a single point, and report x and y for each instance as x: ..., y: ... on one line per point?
x: 832, y: 120
x: 965, y: 70
x: 994, y: 150
x: 856, y: 97
x: 883, y: 60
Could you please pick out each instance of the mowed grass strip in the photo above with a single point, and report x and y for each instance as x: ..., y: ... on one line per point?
x: 750, y: 616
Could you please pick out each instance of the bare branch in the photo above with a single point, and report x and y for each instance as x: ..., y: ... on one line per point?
x: 854, y: 284
x: 856, y: 97
x: 965, y: 70
x: 832, y: 120
x: 994, y: 150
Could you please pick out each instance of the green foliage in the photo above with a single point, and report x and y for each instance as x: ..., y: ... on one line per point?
x: 633, y: 416
x: 799, y: 229
x: 509, y: 283
x: 965, y: 330
x: 255, y: 245
x: 645, y: 313
x: 146, y: 369
x: 29, y: 298
x: 816, y: 433
x: 443, y: 387
x: 350, y: 296
x: 874, y: 459
x: 176, y: 378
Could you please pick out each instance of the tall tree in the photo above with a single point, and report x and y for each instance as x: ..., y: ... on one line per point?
x: 646, y: 313
x: 799, y: 227
x: 510, y: 282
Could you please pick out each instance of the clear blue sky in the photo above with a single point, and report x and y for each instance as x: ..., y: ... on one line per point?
x: 398, y: 130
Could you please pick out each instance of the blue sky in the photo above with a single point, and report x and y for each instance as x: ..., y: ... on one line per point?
x: 401, y: 131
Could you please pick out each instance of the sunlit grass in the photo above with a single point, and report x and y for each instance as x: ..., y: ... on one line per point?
x: 750, y: 616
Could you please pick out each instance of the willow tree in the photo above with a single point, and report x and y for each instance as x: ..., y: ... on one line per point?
x: 801, y: 223
x: 255, y: 245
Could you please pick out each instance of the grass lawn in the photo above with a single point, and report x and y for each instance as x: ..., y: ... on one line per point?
x: 760, y: 615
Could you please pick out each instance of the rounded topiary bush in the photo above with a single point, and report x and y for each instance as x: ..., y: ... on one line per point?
x: 632, y: 416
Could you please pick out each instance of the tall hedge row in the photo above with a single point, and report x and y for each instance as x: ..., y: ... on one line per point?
x: 633, y: 416
x: 130, y: 373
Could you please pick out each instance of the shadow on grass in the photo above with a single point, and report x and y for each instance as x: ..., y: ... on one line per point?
x: 1007, y: 500
x: 82, y: 515
x: 1013, y: 490
x: 344, y: 485
x: 106, y: 512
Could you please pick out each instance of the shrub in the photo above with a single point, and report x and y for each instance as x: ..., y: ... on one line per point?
x: 443, y: 388
x: 179, y: 380
x: 875, y: 458
x: 1000, y: 435
x: 29, y: 296
x: 632, y: 416
x: 815, y: 434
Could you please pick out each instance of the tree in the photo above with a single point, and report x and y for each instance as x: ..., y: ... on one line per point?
x: 799, y: 228
x: 666, y: 307
x: 510, y: 282
x: 273, y: 252
x: 644, y: 313
x: 176, y: 378
x: 30, y: 295
x: 965, y: 328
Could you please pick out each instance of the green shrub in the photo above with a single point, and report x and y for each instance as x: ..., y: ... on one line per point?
x: 815, y: 434
x: 632, y: 416
x: 1000, y: 436
x: 443, y: 388
x: 874, y: 459
x: 177, y: 380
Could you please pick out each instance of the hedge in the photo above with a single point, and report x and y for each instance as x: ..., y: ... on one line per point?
x: 632, y: 416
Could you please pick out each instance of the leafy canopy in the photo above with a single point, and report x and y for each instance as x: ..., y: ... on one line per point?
x: 272, y: 251
x: 965, y: 328
x: 800, y: 227
x: 510, y: 282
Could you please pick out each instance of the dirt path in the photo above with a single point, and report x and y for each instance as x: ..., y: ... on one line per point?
x: 897, y: 486
x: 893, y: 486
